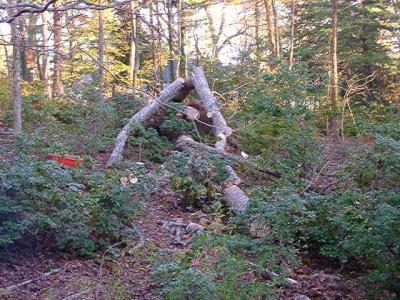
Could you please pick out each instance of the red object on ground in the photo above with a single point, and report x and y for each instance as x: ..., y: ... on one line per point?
x: 66, y: 160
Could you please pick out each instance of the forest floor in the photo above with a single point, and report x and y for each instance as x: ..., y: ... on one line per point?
x: 124, y: 270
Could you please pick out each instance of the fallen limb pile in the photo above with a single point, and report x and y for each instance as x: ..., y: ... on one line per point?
x: 178, y: 90
x: 233, y: 194
x: 173, y: 90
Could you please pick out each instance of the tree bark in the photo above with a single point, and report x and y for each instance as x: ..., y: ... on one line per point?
x: 134, y: 54
x: 101, y: 46
x: 277, y: 33
x: 333, y: 87
x: 173, y: 71
x: 292, y: 34
x: 221, y: 129
x: 30, y: 54
x: 16, y: 76
x: 271, y: 31
x: 44, y: 71
x: 154, y: 46
x: 58, y: 87
x: 257, y: 27
x: 142, y: 115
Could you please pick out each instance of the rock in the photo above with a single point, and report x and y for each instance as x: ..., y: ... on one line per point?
x: 176, y: 221
x: 301, y: 297
x: 195, y: 227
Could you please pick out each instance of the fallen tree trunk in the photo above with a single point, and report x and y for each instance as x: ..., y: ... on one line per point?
x: 170, y: 92
x: 186, y: 143
x: 221, y: 129
x: 233, y: 194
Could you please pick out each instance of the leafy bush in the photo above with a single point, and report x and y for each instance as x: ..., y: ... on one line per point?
x: 73, y: 211
x: 358, y: 226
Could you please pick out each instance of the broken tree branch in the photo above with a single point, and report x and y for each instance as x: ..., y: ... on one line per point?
x: 222, y: 130
x: 142, y: 115
x: 186, y: 143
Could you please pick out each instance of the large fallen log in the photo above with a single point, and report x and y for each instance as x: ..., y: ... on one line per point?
x: 170, y: 92
x: 221, y: 129
x: 233, y: 194
x: 186, y: 143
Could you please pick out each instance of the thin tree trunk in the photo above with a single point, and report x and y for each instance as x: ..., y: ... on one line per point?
x: 16, y: 76
x: 44, y: 73
x: 333, y: 87
x: 292, y: 34
x: 277, y: 33
x: 58, y: 87
x: 171, y: 48
x: 271, y: 31
x: 159, y: 43
x: 134, y: 63
x: 257, y: 27
x: 154, y: 46
x: 7, y: 56
x: 30, y: 55
x: 45, y: 37
x: 179, y: 38
x: 182, y: 62
x: 101, y: 46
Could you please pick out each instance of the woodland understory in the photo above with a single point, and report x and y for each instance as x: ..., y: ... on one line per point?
x: 200, y: 149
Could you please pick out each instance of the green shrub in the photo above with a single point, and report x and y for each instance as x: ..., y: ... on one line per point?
x: 357, y: 226
x: 81, y: 212
x: 215, y: 268
x: 154, y: 147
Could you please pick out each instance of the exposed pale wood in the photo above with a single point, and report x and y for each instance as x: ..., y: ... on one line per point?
x: 233, y: 178
x: 236, y: 198
x: 191, y: 113
x: 221, y: 129
x: 142, y: 115
x: 16, y: 75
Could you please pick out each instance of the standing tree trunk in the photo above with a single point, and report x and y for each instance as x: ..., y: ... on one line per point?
x: 16, y: 78
x: 182, y: 68
x: 134, y: 54
x: 172, y: 53
x: 58, y: 87
x: 292, y: 34
x: 333, y: 86
x: 44, y: 69
x: 154, y: 47
x: 277, y: 33
x: 101, y: 46
x: 7, y: 58
x: 30, y: 54
x: 257, y: 27
x: 271, y: 31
